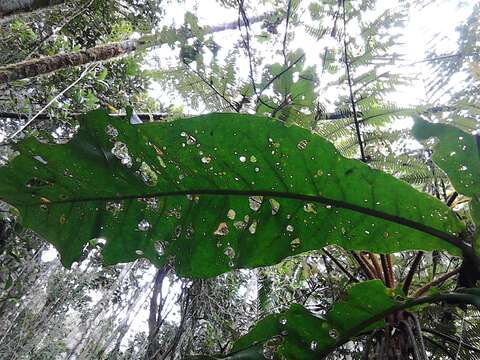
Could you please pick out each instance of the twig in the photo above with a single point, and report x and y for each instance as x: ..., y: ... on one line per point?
x: 85, y: 72
x: 284, y: 48
x: 265, y: 87
x: 452, y: 198
x: 363, y: 265
x: 411, y: 272
x: 412, y: 340
x: 440, y: 346
x: 376, y: 266
x: 450, y: 339
x: 233, y: 107
x: 340, y: 266
x: 246, y: 42
x: 390, y: 270
x: 386, y: 272
x: 435, y: 282
x: 350, y: 86
x: 418, y: 331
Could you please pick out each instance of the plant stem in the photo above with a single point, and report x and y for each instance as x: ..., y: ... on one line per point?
x: 350, y: 86
x: 386, y: 273
x: 411, y: 272
x: 340, y: 266
x: 376, y: 265
x: 363, y: 265
x: 435, y: 282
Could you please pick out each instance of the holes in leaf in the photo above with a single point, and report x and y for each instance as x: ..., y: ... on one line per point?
x: 255, y: 202
x: 231, y: 214
x: 189, y: 138
x: 229, y: 252
x: 302, y: 145
x: 143, y: 225
x: 206, y: 159
x: 189, y: 231
x: 40, y: 159
x: 333, y: 333
x: 295, y: 243
x: 178, y: 231
x: 275, y: 206
x: 111, y: 131
x: 253, y: 227
x: 114, y: 207
x: 270, y: 347
x: 310, y: 208
x: 36, y: 182
x: 159, y: 249
x: 120, y: 151
x: 240, y: 225
x: 222, y: 229
x: 174, y: 213
x: 152, y: 203
x: 148, y: 176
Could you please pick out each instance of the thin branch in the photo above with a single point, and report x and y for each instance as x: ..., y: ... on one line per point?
x: 284, y: 48
x: 452, y: 198
x: 435, y: 282
x: 440, y: 346
x: 418, y: 330
x: 412, y: 340
x: 350, y: 86
x: 411, y: 272
x: 246, y: 41
x: 280, y: 74
x: 363, y: 266
x: 82, y: 75
x: 210, y: 85
x: 450, y: 339
x: 390, y: 270
x: 376, y: 266
x: 386, y: 272
x: 340, y: 266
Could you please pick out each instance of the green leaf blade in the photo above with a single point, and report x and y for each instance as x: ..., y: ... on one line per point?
x: 214, y: 192
x: 302, y: 335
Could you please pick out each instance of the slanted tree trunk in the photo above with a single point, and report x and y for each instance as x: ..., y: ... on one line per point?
x: 10, y: 7
x: 48, y: 64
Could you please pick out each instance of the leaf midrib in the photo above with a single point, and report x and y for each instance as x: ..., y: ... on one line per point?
x: 278, y: 194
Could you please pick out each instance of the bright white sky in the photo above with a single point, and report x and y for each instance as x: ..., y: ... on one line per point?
x: 441, y: 17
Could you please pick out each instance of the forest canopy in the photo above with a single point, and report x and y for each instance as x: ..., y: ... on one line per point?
x: 228, y: 179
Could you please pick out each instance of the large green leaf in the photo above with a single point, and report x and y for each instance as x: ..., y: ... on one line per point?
x: 458, y: 154
x: 299, y: 334
x: 191, y: 190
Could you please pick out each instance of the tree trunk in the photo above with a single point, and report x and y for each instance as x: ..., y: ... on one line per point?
x: 48, y: 64
x: 10, y: 7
